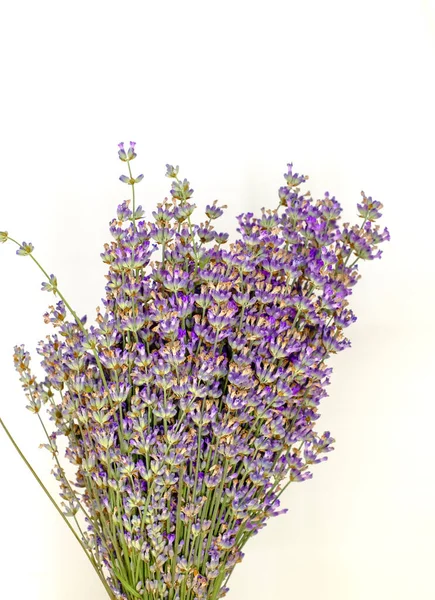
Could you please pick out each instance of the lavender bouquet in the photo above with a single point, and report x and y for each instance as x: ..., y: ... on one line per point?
x: 189, y: 406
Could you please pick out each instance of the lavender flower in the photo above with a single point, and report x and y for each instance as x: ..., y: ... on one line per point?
x: 25, y: 249
x: 191, y: 404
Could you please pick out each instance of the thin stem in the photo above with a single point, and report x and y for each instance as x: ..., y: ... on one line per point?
x: 350, y: 254
x: 189, y: 223
x: 133, y: 194
x: 354, y: 262
x: 217, y: 500
x: 73, y: 313
x: 62, y: 470
x: 71, y: 528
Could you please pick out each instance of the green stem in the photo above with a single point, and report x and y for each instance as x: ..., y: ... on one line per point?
x: 73, y: 313
x: 217, y: 500
x: 189, y: 223
x: 350, y: 254
x: 63, y: 471
x: 71, y: 528
x: 134, y: 199
x: 178, y: 524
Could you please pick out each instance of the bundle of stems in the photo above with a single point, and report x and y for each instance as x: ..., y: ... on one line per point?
x: 190, y: 405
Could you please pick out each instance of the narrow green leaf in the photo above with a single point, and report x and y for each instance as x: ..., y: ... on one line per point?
x: 127, y: 586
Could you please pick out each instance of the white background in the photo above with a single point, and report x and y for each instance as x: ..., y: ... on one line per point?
x: 232, y: 92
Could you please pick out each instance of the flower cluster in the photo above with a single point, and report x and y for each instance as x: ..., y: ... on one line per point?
x: 191, y: 403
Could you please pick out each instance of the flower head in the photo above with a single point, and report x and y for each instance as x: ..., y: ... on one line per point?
x: 171, y: 171
x: 369, y: 209
x: 51, y: 285
x: 130, y: 155
x: 25, y: 249
x: 131, y: 180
